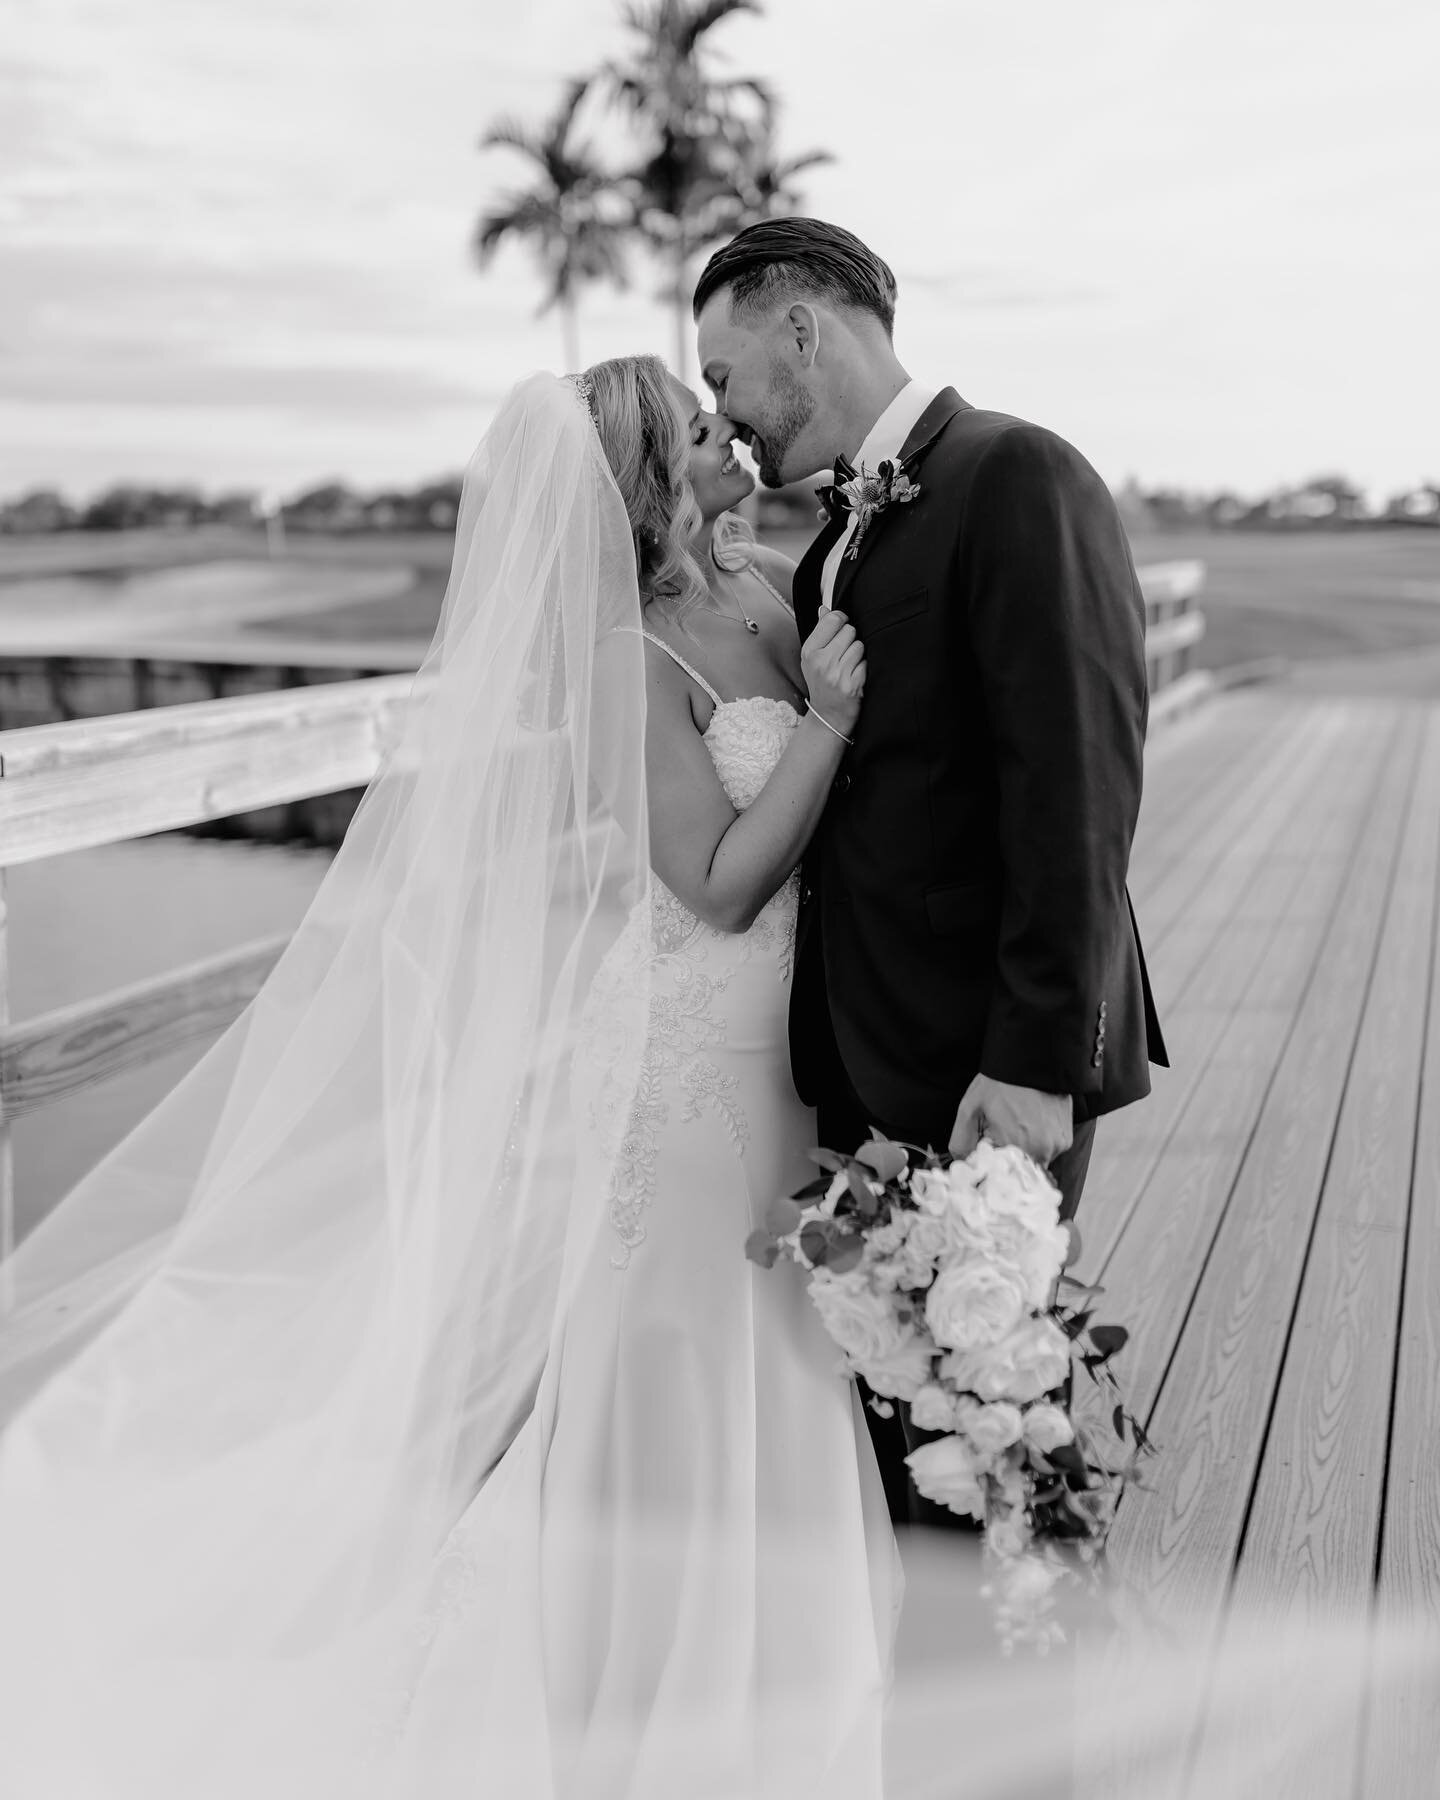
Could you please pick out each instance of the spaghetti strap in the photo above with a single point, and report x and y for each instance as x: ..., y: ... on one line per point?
x: 676, y: 657
x: 765, y: 580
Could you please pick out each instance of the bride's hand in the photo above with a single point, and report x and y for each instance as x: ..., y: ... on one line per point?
x: 832, y: 660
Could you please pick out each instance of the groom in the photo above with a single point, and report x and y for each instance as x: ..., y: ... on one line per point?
x: 968, y: 959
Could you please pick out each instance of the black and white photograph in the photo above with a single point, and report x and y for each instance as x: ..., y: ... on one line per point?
x: 719, y: 900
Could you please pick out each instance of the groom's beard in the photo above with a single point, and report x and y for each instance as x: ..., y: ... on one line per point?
x: 792, y: 408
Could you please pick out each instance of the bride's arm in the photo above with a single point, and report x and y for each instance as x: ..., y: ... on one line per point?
x: 722, y: 864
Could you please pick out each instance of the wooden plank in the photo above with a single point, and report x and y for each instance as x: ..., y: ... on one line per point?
x: 1404, y: 1725
x: 1230, y: 771
x: 44, y: 1059
x: 1184, y: 762
x: 246, y: 649
x: 7, y: 1146
x: 1310, y: 1543
x: 1178, y: 1543
x: 1174, y: 893
x: 1241, y: 1012
x: 87, y: 782
x: 1307, y: 823
x: 1316, y: 1513
x: 1170, y: 581
x: 1169, y: 635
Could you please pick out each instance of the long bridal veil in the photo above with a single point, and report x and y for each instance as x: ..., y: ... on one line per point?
x: 258, y: 1361
x: 257, y: 1367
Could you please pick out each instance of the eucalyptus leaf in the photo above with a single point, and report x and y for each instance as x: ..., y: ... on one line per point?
x: 815, y: 1243
x: 827, y: 1159
x: 845, y: 1252
x: 783, y: 1215
x: 884, y: 1159
x: 761, y: 1248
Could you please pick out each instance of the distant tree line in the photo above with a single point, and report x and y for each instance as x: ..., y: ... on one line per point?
x: 332, y: 506
x: 1327, y: 502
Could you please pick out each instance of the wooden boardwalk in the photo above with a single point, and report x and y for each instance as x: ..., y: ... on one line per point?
x: 1268, y: 1223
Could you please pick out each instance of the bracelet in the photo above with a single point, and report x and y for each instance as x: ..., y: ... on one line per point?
x: 828, y: 726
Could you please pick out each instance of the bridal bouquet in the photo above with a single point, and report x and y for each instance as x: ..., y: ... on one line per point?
x: 942, y: 1281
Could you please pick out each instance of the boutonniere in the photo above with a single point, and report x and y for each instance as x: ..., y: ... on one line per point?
x: 869, y: 494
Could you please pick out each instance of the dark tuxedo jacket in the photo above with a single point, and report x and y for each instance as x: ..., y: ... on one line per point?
x: 963, y: 904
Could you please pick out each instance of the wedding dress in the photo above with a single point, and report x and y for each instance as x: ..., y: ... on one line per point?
x: 395, y: 1413
x: 709, y: 1530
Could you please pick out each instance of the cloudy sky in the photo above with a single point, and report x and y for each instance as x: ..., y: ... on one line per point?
x: 1195, y: 236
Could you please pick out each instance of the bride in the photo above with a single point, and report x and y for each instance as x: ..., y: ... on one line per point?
x: 394, y: 1412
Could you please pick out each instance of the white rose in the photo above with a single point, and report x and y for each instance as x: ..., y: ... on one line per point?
x: 1039, y: 1256
x: 885, y: 1240
x: 862, y: 1322
x: 1030, y: 1362
x: 1046, y: 1428
x: 932, y: 1409
x: 1014, y: 1183
x: 993, y: 1428
x: 903, y: 1372
x: 945, y: 1471
x: 927, y: 1239
x: 974, y: 1304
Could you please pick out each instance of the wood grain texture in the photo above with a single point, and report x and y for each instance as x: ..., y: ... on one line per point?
x: 44, y: 1059
x: 1250, y: 957
x: 1179, y: 1544
x: 88, y: 782
x: 1403, y: 1726
x: 1316, y: 1514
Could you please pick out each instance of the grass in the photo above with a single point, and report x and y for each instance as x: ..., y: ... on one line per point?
x: 1300, y: 596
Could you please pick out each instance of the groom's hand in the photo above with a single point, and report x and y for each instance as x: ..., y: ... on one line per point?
x: 1042, y: 1125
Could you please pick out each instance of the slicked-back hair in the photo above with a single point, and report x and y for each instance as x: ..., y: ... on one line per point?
x: 777, y: 259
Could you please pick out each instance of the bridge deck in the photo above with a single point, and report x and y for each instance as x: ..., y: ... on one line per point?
x: 1268, y: 1223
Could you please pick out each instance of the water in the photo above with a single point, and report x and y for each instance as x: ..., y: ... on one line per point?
x: 83, y: 924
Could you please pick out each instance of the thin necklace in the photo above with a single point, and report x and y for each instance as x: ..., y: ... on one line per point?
x: 751, y: 625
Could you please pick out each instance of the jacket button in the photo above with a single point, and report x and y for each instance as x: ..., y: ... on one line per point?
x: 1097, y: 1059
x: 841, y: 783
x: 1104, y: 1009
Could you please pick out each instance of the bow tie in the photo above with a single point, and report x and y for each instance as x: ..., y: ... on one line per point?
x: 831, y: 497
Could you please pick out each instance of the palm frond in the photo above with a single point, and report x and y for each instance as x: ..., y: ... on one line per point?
x: 705, y: 18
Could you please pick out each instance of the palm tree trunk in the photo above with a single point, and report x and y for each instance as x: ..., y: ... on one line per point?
x: 570, y: 333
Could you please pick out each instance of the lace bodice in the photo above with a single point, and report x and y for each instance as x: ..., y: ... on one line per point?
x: 745, y: 738
x: 697, y: 978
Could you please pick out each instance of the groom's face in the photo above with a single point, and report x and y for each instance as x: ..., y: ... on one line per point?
x: 758, y: 390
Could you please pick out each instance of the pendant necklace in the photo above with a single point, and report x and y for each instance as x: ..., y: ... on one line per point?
x: 751, y: 625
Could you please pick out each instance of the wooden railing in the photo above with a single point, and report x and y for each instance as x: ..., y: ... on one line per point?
x: 89, y: 782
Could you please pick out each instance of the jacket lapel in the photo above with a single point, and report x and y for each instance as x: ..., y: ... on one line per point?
x: 808, y: 573
x: 936, y: 416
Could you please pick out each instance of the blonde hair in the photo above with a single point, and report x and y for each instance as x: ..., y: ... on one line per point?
x: 733, y: 544
x: 647, y: 445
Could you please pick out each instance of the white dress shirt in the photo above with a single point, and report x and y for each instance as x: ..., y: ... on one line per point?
x: 884, y: 444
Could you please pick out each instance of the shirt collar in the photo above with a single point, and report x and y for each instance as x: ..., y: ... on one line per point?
x: 886, y: 437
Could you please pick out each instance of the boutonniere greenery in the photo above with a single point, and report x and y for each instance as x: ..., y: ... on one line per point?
x: 869, y: 494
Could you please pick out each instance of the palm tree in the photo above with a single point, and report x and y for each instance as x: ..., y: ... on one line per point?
x: 710, y: 164
x: 761, y: 182
x: 572, y: 216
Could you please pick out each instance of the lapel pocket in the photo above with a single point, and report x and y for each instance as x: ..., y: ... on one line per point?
x: 876, y: 614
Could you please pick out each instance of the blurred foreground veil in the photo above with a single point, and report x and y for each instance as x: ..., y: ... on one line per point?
x: 255, y: 1365
x: 276, y: 1379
